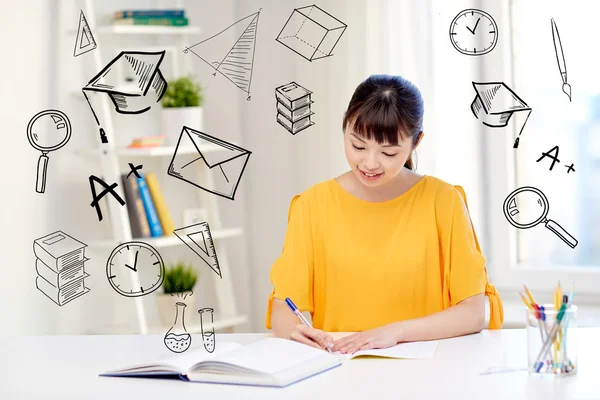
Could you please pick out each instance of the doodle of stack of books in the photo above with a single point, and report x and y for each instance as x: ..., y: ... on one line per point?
x: 60, y: 267
x: 293, y: 107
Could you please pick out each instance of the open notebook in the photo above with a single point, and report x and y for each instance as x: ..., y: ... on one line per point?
x: 267, y: 362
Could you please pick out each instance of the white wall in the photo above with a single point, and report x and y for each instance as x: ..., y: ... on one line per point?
x: 40, y: 73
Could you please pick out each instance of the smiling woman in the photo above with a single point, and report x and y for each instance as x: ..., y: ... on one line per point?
x: 381, y: 250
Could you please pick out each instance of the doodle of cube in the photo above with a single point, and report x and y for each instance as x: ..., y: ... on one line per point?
x: 311, y: 32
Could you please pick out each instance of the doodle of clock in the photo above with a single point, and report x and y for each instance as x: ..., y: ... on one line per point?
x: 141, y: 258
x: 473, y: 32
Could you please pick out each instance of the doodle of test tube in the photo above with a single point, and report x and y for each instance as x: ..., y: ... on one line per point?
x: 208, y: 329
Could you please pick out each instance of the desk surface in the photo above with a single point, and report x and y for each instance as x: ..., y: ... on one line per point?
x: 67, y: 367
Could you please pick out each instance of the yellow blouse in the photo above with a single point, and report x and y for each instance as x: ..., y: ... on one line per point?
x: 357, y: 265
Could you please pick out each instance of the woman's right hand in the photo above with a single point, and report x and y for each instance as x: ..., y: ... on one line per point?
x: 311, y: 336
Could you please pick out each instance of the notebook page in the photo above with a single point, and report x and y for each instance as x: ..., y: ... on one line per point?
x: 271, y: 355
x: 412, y: 350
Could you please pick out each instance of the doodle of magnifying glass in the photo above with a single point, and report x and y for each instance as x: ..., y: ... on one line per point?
x: 527, y: 206
x: 47, y: 131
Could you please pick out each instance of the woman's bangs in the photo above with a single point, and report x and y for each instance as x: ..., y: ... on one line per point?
x: 377, y: 123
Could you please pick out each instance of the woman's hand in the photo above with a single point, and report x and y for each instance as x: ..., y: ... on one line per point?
x: 311, y: 336
x: 378, y: 338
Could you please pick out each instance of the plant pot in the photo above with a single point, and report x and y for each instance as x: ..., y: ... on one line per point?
x: 175, y: 118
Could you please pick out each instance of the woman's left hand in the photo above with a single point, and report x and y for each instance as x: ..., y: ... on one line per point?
x: 378, y: 338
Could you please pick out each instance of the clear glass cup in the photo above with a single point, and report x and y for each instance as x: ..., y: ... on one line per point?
x: 558, y: 357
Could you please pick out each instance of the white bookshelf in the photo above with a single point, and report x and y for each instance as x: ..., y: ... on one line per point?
x: 109, y: 158
x: 147, y: 30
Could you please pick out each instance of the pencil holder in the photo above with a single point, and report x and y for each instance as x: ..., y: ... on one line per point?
x: 551, y: 349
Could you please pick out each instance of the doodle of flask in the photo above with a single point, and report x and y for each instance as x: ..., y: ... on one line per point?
x: 177, y: 339
x: 208, y: 329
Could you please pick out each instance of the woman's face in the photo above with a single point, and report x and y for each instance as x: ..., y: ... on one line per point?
x: 375, y: 164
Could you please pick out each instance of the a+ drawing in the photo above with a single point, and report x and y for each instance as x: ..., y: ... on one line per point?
x: 141, y: 258
x: 473, y: 32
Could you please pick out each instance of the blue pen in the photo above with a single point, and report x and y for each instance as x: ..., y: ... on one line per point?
x: 295, y: 310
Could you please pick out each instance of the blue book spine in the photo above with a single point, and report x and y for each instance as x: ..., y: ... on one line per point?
x: 176, y: 13
x: 153, y: 221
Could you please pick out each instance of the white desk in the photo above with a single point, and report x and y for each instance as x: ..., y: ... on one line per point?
x: 67, y: 367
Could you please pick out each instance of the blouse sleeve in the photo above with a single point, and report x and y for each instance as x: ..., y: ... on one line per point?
x: 292, y: 272
x: 466, y: 273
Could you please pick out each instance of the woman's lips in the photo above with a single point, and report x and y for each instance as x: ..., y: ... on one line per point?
x: 370, y: 176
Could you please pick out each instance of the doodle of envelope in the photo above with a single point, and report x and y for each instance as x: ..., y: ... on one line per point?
x: 495, y: 103
x: 225, y: 162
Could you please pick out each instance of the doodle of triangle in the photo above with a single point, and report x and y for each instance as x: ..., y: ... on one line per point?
x: 197, y: 241
x: 85, y: 40
x: 231, y: 55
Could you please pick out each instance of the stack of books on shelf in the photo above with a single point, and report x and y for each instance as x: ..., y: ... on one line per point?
x: 294, y: 107
x: 147, y: 142
x: 164, y: 17
x: 60, y: 267
x: 149, y: 215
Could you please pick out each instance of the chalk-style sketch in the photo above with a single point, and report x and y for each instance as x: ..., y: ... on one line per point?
x: 177, y: 339
x: 225, y: 164
x: 134, y: 170
x: 229, y: 54
x: 311, y: 32
x: 85, y: 40
x: 97, y: 197
x: 132, y: 81
x: 198, y: 238
x: 60, y: 268
x: 553, y: 155
x: 495, y: 104
x: 141, y: 258
x: 208, y: 328
x: 47, y: 131
x: 560, y: 59
x: 294, y: 107
x: 527, y: 207
x: 473, y: 32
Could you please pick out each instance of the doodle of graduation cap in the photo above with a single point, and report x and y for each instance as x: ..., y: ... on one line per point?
x: 146, y: 84
x: 495, y: 104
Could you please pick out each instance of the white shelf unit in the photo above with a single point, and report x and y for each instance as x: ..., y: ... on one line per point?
x: 109, y: 154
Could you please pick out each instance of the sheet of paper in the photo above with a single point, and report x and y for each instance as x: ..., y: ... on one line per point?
x: 412, y: 350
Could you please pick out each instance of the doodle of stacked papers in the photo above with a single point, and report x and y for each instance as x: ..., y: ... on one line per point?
x: 225, y: 162
x: 60, y: 267
x: 294, y: 107
x: 495, y: 104
x: 132, y: 81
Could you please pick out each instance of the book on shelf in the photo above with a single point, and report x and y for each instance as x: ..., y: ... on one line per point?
x: 135, y: 208
x: 146, y: 142
x: 151, y: 214
x: 167, y: 21
x: 164, y: 216
x: 156, y: 13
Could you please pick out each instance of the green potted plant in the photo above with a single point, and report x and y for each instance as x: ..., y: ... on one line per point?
x: 180, y: 279
x: 182, y: 106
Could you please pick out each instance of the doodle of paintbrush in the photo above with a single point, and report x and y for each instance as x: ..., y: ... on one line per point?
x: 560, y: 58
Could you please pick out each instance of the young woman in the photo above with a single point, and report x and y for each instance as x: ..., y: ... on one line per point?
x: 381, y: 250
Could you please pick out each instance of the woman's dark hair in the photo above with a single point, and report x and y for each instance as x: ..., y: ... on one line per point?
x: 383, y: 107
